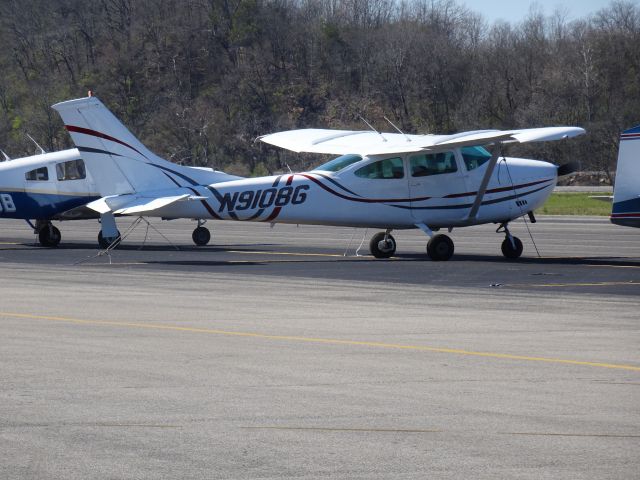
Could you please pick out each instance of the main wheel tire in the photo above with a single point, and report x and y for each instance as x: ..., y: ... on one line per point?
x: 105, y: 242
x: 381, y: 249
x: 508, y: 249
x: 440, y: 248
x: 49, y: 236
x: 201, y: 236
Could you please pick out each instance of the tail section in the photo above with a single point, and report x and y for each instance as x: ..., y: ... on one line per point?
x: 626, y: 192
x: 118, y: 161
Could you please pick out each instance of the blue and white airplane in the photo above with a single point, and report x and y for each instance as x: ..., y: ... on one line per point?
x: 59, y: 185
x: 379, y: 180
x: 626, y: 191
x: 46, y: 187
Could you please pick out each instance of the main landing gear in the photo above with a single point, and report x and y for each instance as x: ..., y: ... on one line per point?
x: 440, y: 247
x: 383, y: 245
x: 48, y: 235
x: 511, y: 246
x: 201, y: 235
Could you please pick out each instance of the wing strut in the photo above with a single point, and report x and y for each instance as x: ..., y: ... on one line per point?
x: 473, y: 213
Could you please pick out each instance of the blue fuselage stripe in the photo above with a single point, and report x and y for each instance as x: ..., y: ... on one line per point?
x: 42, y: 205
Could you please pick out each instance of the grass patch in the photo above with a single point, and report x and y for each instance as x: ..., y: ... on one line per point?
x: 575, y: 204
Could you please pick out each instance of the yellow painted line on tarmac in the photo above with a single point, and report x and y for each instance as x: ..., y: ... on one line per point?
x: 593, y: 435
x: 338, y: 429
x: 429, y: 430
x: 325, y: 341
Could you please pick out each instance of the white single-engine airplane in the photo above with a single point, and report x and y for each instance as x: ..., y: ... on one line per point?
x: 626, y: 191
x: 380, y: 180
x: 46, y: 187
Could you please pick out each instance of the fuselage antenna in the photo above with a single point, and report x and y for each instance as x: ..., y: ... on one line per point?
x: 394, y: 126
x: 371, y: 127
x: 6, y: 157
x: 36, y: 143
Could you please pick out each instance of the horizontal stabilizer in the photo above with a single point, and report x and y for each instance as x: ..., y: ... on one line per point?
x: 340, y: 142
x: 136, y: 204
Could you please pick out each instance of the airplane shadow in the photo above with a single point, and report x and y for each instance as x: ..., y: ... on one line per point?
x: 283, y: 257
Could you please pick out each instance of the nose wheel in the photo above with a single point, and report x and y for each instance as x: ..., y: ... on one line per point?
x: 382, y: 245
x: 201, y: 235
x: 511, y: 246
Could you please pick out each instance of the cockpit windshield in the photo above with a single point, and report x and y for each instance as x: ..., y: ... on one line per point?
x: 339, y: 163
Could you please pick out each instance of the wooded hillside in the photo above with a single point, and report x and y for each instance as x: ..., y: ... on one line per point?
x: 198, y: 80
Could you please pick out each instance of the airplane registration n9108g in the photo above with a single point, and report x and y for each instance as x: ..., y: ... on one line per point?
x: 378, y: 180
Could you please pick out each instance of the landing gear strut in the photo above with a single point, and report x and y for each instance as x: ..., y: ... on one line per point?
x: 201, y: 235
x: 109, y: 235
x: 48, y: 235
x: 511, y: 246
x: 382, y: 245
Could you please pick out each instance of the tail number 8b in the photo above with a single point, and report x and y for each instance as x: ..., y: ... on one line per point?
x: 6, y: 203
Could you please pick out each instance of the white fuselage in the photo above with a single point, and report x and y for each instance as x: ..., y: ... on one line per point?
x: 516, y: 187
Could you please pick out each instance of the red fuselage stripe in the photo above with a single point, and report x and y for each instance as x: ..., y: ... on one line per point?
x: 93, y: 133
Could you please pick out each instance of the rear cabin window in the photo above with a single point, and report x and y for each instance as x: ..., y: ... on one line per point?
x: 383, y: 169
x: 474, y: 157
x: 339, y: 163
x: 72, y: 170
x: 433, y: 164
x: 39, y: 174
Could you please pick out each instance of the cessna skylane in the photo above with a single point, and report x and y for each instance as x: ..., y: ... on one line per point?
x: 385, y: 181
x: 626, y: 191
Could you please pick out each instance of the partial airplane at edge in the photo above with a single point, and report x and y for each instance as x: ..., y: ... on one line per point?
x: 379, y: 180
x: 46, y: 187
x: 626, y: 191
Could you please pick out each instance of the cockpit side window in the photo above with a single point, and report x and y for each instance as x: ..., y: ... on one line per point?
x: 339, y: 163
x: 71, y: 170
x: 383, y: 169
x: 474, y: 157
x: 433, y: 164
x: 38, y: 174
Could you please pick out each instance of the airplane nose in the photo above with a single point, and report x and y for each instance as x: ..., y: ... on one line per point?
x: 527, y: 168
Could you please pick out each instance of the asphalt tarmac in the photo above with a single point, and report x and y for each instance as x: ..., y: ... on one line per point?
x: 281, y: 353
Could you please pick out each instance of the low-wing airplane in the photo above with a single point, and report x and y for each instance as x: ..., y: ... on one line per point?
x: 46, y: 187
x: 379, y: 180
x: 626, y: 191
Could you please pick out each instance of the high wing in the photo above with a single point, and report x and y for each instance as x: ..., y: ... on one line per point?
x: 341, y: 142
x: 140, y: 204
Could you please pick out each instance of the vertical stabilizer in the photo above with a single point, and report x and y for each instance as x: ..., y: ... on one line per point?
x: 119, y: 162
x: 626, y: 192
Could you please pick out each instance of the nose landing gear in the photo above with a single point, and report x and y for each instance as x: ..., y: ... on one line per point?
x: 511, y: 246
